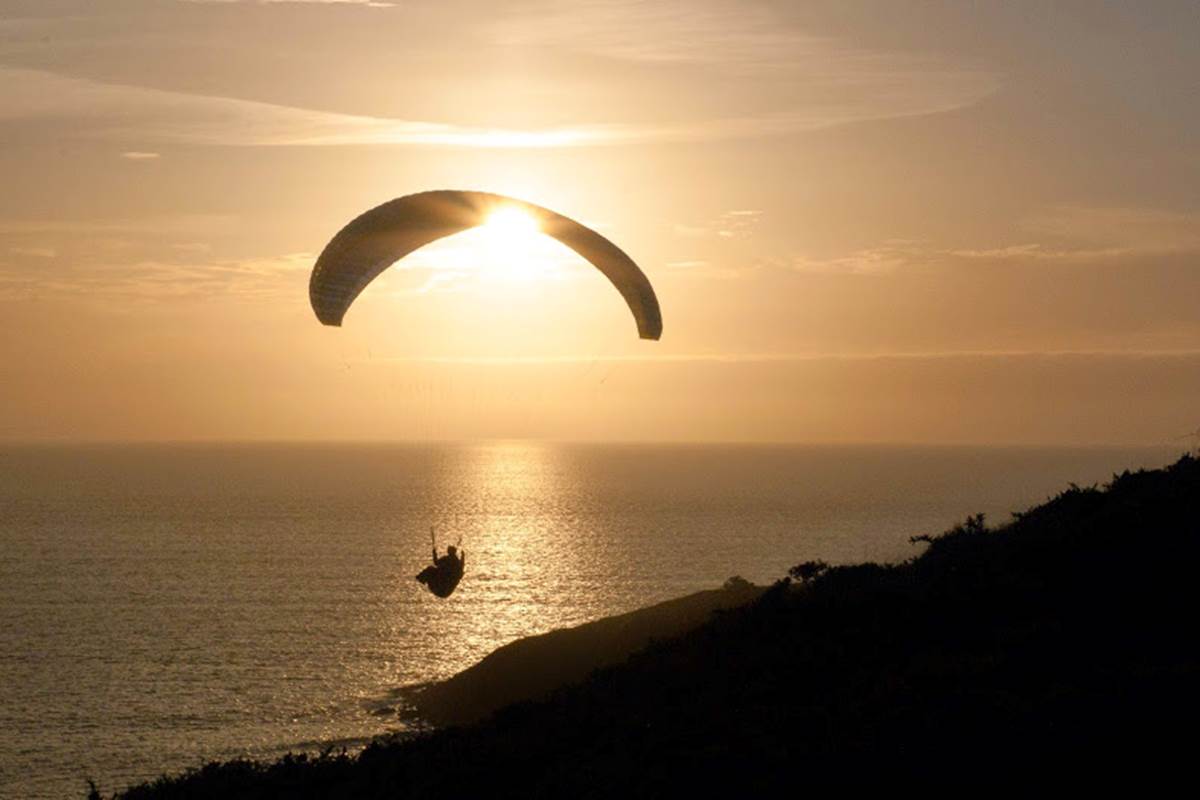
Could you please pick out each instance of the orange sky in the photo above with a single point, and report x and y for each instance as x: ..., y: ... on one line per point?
x: 865, y: 221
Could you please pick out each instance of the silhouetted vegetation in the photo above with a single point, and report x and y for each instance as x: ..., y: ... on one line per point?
x: 808, y: 570
x: 1057, y: 649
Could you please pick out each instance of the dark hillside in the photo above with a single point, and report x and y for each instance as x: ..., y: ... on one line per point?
x: 1060, y: 648
x: 533, y: 667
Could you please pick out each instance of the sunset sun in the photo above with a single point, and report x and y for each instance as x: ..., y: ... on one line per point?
x: 508, y: 246
x: 510, y: 226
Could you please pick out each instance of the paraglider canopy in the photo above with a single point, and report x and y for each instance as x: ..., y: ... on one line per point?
x: 375, y: 240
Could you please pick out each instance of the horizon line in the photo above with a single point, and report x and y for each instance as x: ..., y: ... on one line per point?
x: 331, y: 442
x: 781, y: 357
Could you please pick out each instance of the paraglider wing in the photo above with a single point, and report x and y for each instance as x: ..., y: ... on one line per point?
x: 619, y: 268
x: 378, y: 238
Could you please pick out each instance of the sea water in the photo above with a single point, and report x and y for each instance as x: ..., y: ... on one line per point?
x: 165, y: 605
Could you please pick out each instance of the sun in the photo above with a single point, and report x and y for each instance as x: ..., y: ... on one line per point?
x: 508, y: 247
x: 509, y: 226
x: 513, y: 244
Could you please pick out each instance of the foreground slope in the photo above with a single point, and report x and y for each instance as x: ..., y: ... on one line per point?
x: 1061, y: 648
x: 533, y: 667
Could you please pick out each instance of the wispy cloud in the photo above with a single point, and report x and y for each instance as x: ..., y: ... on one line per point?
x: 1067, y: 235
x: 81, y: 107
x: 882, y: 260
x: 149, y: 258
x: 135, y: 113
x: 140, y: 155
x: 164, y: 225
x: 152, y: 280
x: 739, y: 35
x: 736, y: 224
x: 709, y: 250
x: 1119, y: 230
x: 818, y: 81
x: 34, y: 252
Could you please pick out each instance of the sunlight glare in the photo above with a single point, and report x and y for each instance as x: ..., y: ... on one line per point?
x: 507, y: 249
x: 509, y: 226
x: 511, y: 238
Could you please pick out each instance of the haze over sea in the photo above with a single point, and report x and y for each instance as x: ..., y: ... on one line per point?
x: 167, y: 605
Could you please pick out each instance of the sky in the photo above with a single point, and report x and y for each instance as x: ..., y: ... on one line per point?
x: 910, y: 222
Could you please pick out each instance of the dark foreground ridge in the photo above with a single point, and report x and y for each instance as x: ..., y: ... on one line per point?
x: 533, y: 667
x: 1060, y: 649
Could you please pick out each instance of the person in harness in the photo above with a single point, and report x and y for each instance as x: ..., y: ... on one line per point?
x: 442, y: 576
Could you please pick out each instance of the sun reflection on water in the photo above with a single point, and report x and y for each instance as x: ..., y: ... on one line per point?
x: 506, y: 502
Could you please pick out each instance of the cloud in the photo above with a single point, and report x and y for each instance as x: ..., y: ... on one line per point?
x: 81, y: 107
x: 192, y: 247
x: 140, y: 155
x: 881, y: 260
x: 1119, y: 230
x: 816, y: 81
x: 739, y: 35
x: 736, y: 224
x: 169, y: 224
x: 149, y: 258
x: 118, y: 111
x: 34, y: 252
x: 1069, y: 235
x: 705, y: 270
x: 711, y: 254
x: 1082, y: 234
x: 156, y: 280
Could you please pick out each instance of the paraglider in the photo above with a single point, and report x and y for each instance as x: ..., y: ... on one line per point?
x: 378, y: 238
x: 442, y: 576
x: 375, y: 240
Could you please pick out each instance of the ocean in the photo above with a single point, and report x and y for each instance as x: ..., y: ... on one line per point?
x: 164, y: 605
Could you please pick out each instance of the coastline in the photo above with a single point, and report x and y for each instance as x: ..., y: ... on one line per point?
x: 532, y: 667
x: 995, y: 652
